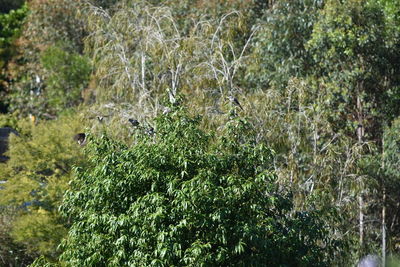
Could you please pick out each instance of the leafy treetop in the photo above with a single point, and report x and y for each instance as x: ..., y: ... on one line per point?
x: 181, y: 197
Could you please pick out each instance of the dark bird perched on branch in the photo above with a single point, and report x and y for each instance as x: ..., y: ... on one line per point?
x: 235, y: 102
x: 134, y: 122
x: 100, y: 118
x: 150, y: 131
x: 80, y: 138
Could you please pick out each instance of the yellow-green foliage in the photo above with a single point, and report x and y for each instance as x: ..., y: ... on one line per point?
x: 42, y: 153
x: 8, y: 120
x: 40, y: 231
x: 11, y: 253
x: 37, y: 175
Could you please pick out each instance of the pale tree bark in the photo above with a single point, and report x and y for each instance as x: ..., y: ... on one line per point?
x: 383, y: 207
x: 360, y: 135
x: 384, y: 228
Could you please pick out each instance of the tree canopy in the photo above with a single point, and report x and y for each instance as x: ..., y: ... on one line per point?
x: 177, y: 198
x: 169, y: 169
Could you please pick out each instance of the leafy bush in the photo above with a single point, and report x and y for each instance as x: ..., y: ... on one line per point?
x: 37, y: 175
x: 47, y: 24
x: 10, y: 29
x: 391, y: 171
x: 182, y: 197
x: 11, y: 252
x: 279, y: 47
x: 68, y: 76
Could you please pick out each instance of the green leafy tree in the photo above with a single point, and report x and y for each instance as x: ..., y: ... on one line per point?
x: 36, y: 177
x: 68, y: 75
x: 353, y: 50
x: 383, y: 169
x: 182, y: 197
x: 47, y: 24
x: 279, y: 51
x: 11, y: 252
x: 356, y: 56
x: 391, y: 183
x: 10, y: 29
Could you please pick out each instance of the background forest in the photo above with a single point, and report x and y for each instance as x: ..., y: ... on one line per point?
x: 305, y: 172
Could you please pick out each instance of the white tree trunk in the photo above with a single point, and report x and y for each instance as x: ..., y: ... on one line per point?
x: 360, y: 135
x: 384, y: 229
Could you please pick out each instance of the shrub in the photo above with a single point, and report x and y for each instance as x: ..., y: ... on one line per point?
x: 181, y: 197
x: 36, y: 177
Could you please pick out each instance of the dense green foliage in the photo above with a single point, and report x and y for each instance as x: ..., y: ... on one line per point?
x: 37, y: 174
x: 50, y: 26
x: 391, y: 172
x: 279, y: 48
x: 10, y: 29
x: 319, y: 83
x: 68, y: 75
x: 179, y: 199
